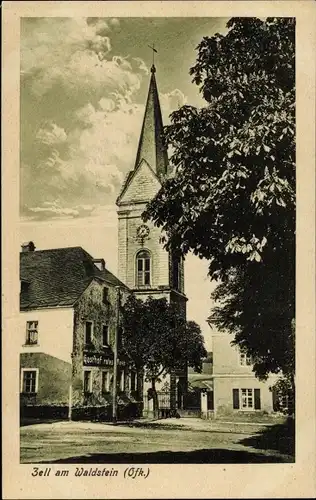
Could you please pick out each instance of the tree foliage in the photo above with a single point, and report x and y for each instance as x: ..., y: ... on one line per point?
x: 231, y: 198
x: 285, y: 395
x: 158, y: 339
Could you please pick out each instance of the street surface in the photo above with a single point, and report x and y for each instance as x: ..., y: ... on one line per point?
x: 185, y: 440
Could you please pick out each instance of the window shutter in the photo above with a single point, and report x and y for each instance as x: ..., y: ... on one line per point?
x: 236, y: 399
x: 274, y: 399
x: 257, y: 399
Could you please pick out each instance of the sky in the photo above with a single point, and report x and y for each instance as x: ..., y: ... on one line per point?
x: 84, y: 84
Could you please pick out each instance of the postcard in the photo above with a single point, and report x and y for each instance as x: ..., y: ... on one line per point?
x: 158, y: 249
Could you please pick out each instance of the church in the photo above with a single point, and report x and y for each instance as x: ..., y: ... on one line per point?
x: 69, y: 320
x: 69, y: 301
x: 144, y: 265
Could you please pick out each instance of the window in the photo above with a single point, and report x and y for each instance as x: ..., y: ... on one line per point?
x: 105, y: 335
x: 105, y: 381
x: 87, y: 381
x: 31, y: 333
x: 105, y: 296
x: 133, y: 381
x: 88, y: 333
x: 246, y: 399
x: 244, y: 359
x: 29, y: 382
x: 143, y: 268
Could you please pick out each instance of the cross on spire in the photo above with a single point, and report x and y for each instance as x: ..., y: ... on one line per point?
x: 153, y: 69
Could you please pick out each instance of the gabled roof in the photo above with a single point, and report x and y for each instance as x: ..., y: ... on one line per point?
x: 136, y: 188
x: 151, y: 147
x: 58, y: 277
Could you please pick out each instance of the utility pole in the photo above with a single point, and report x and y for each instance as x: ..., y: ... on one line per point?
x: 115, y: 347
x: 70, y: 403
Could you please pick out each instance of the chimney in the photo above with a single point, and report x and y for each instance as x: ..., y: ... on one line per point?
x: 28, y: 247
x: 100, y: 263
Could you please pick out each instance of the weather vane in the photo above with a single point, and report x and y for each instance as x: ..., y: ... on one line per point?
x: 154, y: 50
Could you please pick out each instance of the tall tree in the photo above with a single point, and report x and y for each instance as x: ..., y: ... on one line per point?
x: 158, y: 340
x: 231, y: 198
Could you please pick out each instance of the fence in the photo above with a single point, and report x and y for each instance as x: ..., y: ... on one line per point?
x: 88, y: 412
x: 165, y: 409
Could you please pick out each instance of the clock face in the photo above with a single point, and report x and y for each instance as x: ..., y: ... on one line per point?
x: 142, y: 231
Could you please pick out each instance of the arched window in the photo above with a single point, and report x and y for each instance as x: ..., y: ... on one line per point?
x: 143, y: 268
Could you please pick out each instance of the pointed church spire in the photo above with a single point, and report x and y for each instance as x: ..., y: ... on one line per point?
x: 150, y: 146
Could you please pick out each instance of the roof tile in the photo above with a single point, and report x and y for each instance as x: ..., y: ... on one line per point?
x: 58, y: 277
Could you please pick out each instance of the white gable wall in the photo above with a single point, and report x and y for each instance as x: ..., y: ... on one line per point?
x: 55, y: 332
x: 143, y: 186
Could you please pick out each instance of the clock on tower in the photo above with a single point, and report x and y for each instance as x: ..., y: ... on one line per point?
x: 142, y: 232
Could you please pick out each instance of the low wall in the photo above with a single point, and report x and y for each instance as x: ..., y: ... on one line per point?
x: 91, y: 413
x: 162, y: 413
x: 208, y: 415
x: 43, y: 412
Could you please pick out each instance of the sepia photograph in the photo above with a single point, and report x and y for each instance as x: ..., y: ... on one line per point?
x: 157, y: 174
x: 157, y: 221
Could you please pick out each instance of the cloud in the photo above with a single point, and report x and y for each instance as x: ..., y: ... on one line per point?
x: 101, y: 149
x: 89, y: 141
x: 80, y: 63
x: 115, y: 22
x: 106, y: 146
x: 102, y: 28
x: 170, y: 102
x: 103, y: 25
x: 51, y: 135
x: 142, y: 65
x: 106, y: 104
x: 53, y: 39
x: 54, y: 210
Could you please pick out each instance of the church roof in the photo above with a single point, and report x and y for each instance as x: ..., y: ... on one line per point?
x: 58, y: 277
x: 151, y: 147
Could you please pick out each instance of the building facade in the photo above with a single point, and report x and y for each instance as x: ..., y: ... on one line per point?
x: 69, y: 301
x: 199, y: 398
x: 236, y: 389
x: 68, y: 323
x: 144, y: 265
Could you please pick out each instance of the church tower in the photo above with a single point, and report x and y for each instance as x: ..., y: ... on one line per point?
x: 143, y: 264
